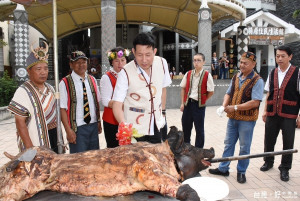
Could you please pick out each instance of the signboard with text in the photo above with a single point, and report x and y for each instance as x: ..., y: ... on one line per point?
x: 266, y: 35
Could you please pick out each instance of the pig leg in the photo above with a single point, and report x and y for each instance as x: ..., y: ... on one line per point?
x: 186, y: 193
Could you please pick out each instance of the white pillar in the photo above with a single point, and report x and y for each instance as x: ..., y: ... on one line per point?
x: 271, y: 58
x: 204, y: 34
x: 221, y: 47
x: 258, y: 59
x: 176, y: 51
x: 108, y: 30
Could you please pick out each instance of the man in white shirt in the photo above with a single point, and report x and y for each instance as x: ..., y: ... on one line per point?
x: 141, y: 86
x: 281, y: 109
x: 197, y: 87
x: 79, y: 106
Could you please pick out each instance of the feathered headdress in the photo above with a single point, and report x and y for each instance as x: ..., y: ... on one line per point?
x: 37, y: 55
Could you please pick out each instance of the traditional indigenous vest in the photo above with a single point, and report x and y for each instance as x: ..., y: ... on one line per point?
x: 143, y: 99
x: 284, y: 101
x: 242, y: 95
x: 39, y: 119
x: 72, y: 101
x: 108, y: 115
x: 202, y: 87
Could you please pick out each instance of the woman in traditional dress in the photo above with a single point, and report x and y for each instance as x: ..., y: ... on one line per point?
x: 117, y: 57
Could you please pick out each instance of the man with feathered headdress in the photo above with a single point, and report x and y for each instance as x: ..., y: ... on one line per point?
x: 34, y: 105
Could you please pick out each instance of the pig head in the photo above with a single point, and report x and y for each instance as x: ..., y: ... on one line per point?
x: 190, y: 160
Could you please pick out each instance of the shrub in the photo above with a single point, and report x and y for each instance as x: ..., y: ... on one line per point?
x: 8, y: 86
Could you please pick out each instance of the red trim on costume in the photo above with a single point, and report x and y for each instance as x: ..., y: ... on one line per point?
x: 137, y: 119
x: 203, y: 96
x: 278, y: 95
x: 108, y: 115
x: 204, y: 88
x: 135, y: 96
x: 187, y: 86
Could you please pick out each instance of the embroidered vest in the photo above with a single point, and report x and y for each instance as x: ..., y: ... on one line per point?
x: 202, y: 87
x: 72, y: 101
x: 143, y: 100
x: 242, y: 95
x: 284, y: 101
x: 108, y: 115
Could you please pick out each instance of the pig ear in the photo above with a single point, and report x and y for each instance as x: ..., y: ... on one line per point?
x: 175, y: 141
x: 180, y: 140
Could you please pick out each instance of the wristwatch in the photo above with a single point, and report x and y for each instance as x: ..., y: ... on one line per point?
x: 235, y: 107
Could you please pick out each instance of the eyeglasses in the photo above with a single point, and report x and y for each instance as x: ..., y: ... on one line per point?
x: 197, y: 60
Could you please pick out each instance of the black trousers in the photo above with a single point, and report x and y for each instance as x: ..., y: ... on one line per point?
x: 110, y: 131
x: 164, y: 131
x: 156, y: 138
x: 53, y: 139
x: 193, y: 114
x: 272, y: 127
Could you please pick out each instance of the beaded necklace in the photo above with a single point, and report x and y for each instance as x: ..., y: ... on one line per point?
x: 39, y: 90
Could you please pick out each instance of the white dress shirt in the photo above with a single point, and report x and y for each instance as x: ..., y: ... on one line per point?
x: 281, y: 75
x: 79, y: 97
x: 196, y: 79
x: 106, y: 89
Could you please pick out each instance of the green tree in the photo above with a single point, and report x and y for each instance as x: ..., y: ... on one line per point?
x: 7, y: 89
x: 296, y: 13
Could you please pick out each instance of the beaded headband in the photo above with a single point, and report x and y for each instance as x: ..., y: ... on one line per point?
x: 249, y: 55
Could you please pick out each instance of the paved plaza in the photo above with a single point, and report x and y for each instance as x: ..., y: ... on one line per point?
x: 259, y: 185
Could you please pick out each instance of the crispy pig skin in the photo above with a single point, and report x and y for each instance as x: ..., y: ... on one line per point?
x: 107, y: 172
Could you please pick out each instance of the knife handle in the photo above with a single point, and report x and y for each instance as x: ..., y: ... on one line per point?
x: 12, y: 166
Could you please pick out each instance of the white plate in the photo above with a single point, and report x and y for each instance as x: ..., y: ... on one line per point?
x: 208, y: 188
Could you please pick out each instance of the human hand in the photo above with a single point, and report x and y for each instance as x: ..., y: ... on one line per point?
x: 124, y: 134
x: 182, y: 107
x: 229, y: 109
x: 71, y: 136
x: 264, y: 116
x: 99, y: 127
x: 298, y: 122
x: 220, y: 111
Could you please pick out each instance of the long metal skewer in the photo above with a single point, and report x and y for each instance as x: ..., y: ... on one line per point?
x: 233, y: 158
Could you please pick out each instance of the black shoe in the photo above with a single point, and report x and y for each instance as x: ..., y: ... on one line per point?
x: 266, y: 166
x: 241, y: 178
x: 284, y: 175
x: 218, y: 172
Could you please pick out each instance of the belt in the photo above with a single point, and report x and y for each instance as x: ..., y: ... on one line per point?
x: 193, y: 100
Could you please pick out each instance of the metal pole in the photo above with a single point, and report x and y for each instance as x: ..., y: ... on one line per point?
x: 57, y: 96
x: 233, y: 158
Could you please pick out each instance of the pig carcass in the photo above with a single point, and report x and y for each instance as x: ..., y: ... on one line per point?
x: 108, y: 172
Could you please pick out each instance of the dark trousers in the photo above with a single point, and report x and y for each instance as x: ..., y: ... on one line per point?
x: 192, y: 113
x: 164, y: 131
x: 53, y: 139
x: 272, y: 127
x: 223, y: 73
x: 110, y: 131
x: 86, y: 138
x: 156, y: 138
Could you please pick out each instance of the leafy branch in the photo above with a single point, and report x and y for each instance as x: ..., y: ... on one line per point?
x: 2, y: 43
x: 296, y: 13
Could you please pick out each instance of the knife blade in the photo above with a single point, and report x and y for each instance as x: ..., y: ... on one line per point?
x: 28, y: 155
